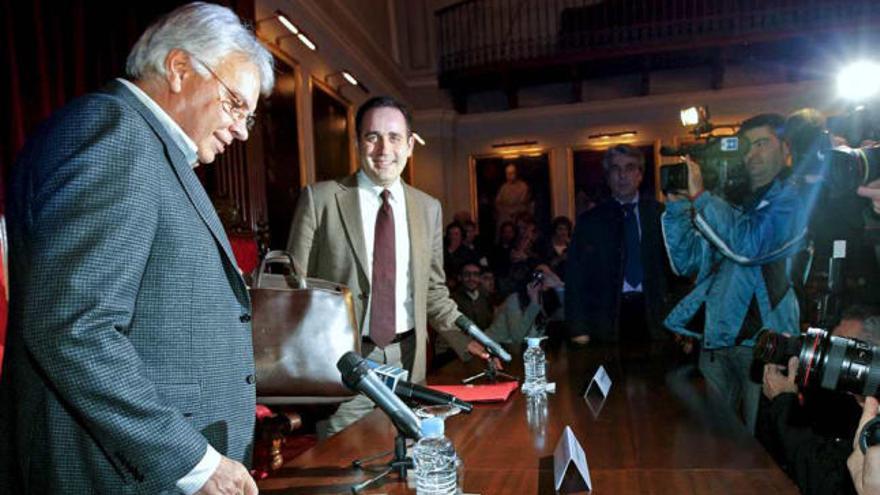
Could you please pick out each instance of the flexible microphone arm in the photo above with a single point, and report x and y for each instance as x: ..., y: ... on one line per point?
x: 474, y: 332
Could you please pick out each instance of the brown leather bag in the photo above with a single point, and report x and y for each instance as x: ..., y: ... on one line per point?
x: 301, y: 327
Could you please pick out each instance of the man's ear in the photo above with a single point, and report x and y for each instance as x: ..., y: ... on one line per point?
x: 178, y: 67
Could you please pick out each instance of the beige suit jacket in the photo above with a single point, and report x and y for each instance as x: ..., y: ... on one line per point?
x: 327, y: 240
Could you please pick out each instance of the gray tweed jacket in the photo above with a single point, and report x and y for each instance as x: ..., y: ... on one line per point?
x: 129, y: 343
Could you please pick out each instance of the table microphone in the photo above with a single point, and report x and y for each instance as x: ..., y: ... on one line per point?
x: 416, y: 392
x: 474, y: 332
x: 357, y: 375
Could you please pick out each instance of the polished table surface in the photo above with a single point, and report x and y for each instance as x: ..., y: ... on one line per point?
x: 657, y: 432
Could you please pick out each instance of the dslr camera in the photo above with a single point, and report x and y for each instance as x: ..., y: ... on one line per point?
x: 537, y: 277
x: 839, y: 170
x: 824, y: 360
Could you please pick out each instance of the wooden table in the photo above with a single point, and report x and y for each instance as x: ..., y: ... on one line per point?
x: 657, y: 433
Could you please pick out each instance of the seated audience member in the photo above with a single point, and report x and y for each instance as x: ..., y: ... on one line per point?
x: 471, y: 239
x: 499, y: 259
x: 471, y: 298
x: 471, y: 234
x: 524, y: 312
x: 528, y: 240
x: 864, y: 469
x: 456, y: 253
x: 487, y: 283
x: 555, y: 251
x: 812, y: 440
x: 473, y: 303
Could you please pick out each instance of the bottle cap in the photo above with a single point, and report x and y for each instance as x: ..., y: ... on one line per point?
x: 432, y: 427
x: 534, y: 341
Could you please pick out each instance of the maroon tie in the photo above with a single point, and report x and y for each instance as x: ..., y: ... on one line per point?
x: 382, y: 309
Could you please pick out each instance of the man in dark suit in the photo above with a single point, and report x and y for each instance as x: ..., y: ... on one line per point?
x: 615, y: 285
x: 130, y: 366
x: 384, y: 240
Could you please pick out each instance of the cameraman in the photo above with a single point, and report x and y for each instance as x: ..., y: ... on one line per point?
x: 740, y: 254
x: 810, y: 435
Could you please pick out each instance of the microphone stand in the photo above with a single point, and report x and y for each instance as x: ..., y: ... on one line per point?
x: 399, y: 463
x: 491, y: 372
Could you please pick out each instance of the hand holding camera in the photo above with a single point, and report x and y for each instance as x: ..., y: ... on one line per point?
x: 694, y: 182
x: 864, y: 466
x: 776, y: 382
x: 871, y: 191
x: 535, y: 286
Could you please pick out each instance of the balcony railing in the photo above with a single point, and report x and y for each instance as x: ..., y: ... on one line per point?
x: 485, y: 33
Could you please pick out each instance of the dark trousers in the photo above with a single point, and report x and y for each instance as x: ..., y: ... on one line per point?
x: 632, y: 319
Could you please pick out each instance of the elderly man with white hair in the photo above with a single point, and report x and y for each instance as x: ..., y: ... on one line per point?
x: 130, y: 364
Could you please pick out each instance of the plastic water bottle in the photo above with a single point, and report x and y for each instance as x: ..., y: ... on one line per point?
x: 435, y: 461
x: 535, y: 365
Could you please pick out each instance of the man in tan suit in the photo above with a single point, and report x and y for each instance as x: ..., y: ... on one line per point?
x: 383, y: 239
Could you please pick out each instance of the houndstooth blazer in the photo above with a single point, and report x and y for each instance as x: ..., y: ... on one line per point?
x: 129, y: 342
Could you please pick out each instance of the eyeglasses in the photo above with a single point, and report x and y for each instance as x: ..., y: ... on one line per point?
x: 235, y: 107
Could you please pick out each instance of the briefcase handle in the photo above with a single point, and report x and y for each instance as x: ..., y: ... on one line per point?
x: 296, y: 279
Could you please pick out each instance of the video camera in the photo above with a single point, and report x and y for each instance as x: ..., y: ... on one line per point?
x: 831, y: 362
x: 721, y: 158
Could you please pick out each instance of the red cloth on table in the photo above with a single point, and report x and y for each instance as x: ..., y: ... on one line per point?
x: 495, y: 392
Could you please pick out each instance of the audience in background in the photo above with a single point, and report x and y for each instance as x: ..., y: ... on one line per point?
x: 555, y: 251
x: 524, y: 312
x: 456, y: 253
x: 526, y: 247
x: 487, y: 283
x: 499, y: 257
x: 471, y: 298
x: 471, y: 232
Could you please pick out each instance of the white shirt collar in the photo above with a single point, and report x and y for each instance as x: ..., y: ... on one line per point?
x: 187, y: 146
x: 635, y: 200
x: 396, y: 188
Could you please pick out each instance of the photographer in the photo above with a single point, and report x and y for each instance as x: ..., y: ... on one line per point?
x: 524, y: 311
x: 865, y: 468
x: 809, y: 435
x: 740, y: 255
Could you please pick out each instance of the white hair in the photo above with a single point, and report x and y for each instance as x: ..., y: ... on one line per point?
x: 207, y: 31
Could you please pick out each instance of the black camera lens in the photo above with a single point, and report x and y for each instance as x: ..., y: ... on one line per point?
x: 851, y: 365
x: 834, y: 363
x: 851, y: 168
x: 776, y: 348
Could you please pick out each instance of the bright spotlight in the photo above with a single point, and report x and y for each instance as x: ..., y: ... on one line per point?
x: 690, y: 116
x: 859, y: 81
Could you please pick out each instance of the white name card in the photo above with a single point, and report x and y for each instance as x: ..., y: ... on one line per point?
x: 570, y: 470
x: 601, y: 380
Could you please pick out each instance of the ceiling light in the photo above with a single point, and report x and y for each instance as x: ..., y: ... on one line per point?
x: 286, y: 22
x: 306, y: 41
x: 350, y: 78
